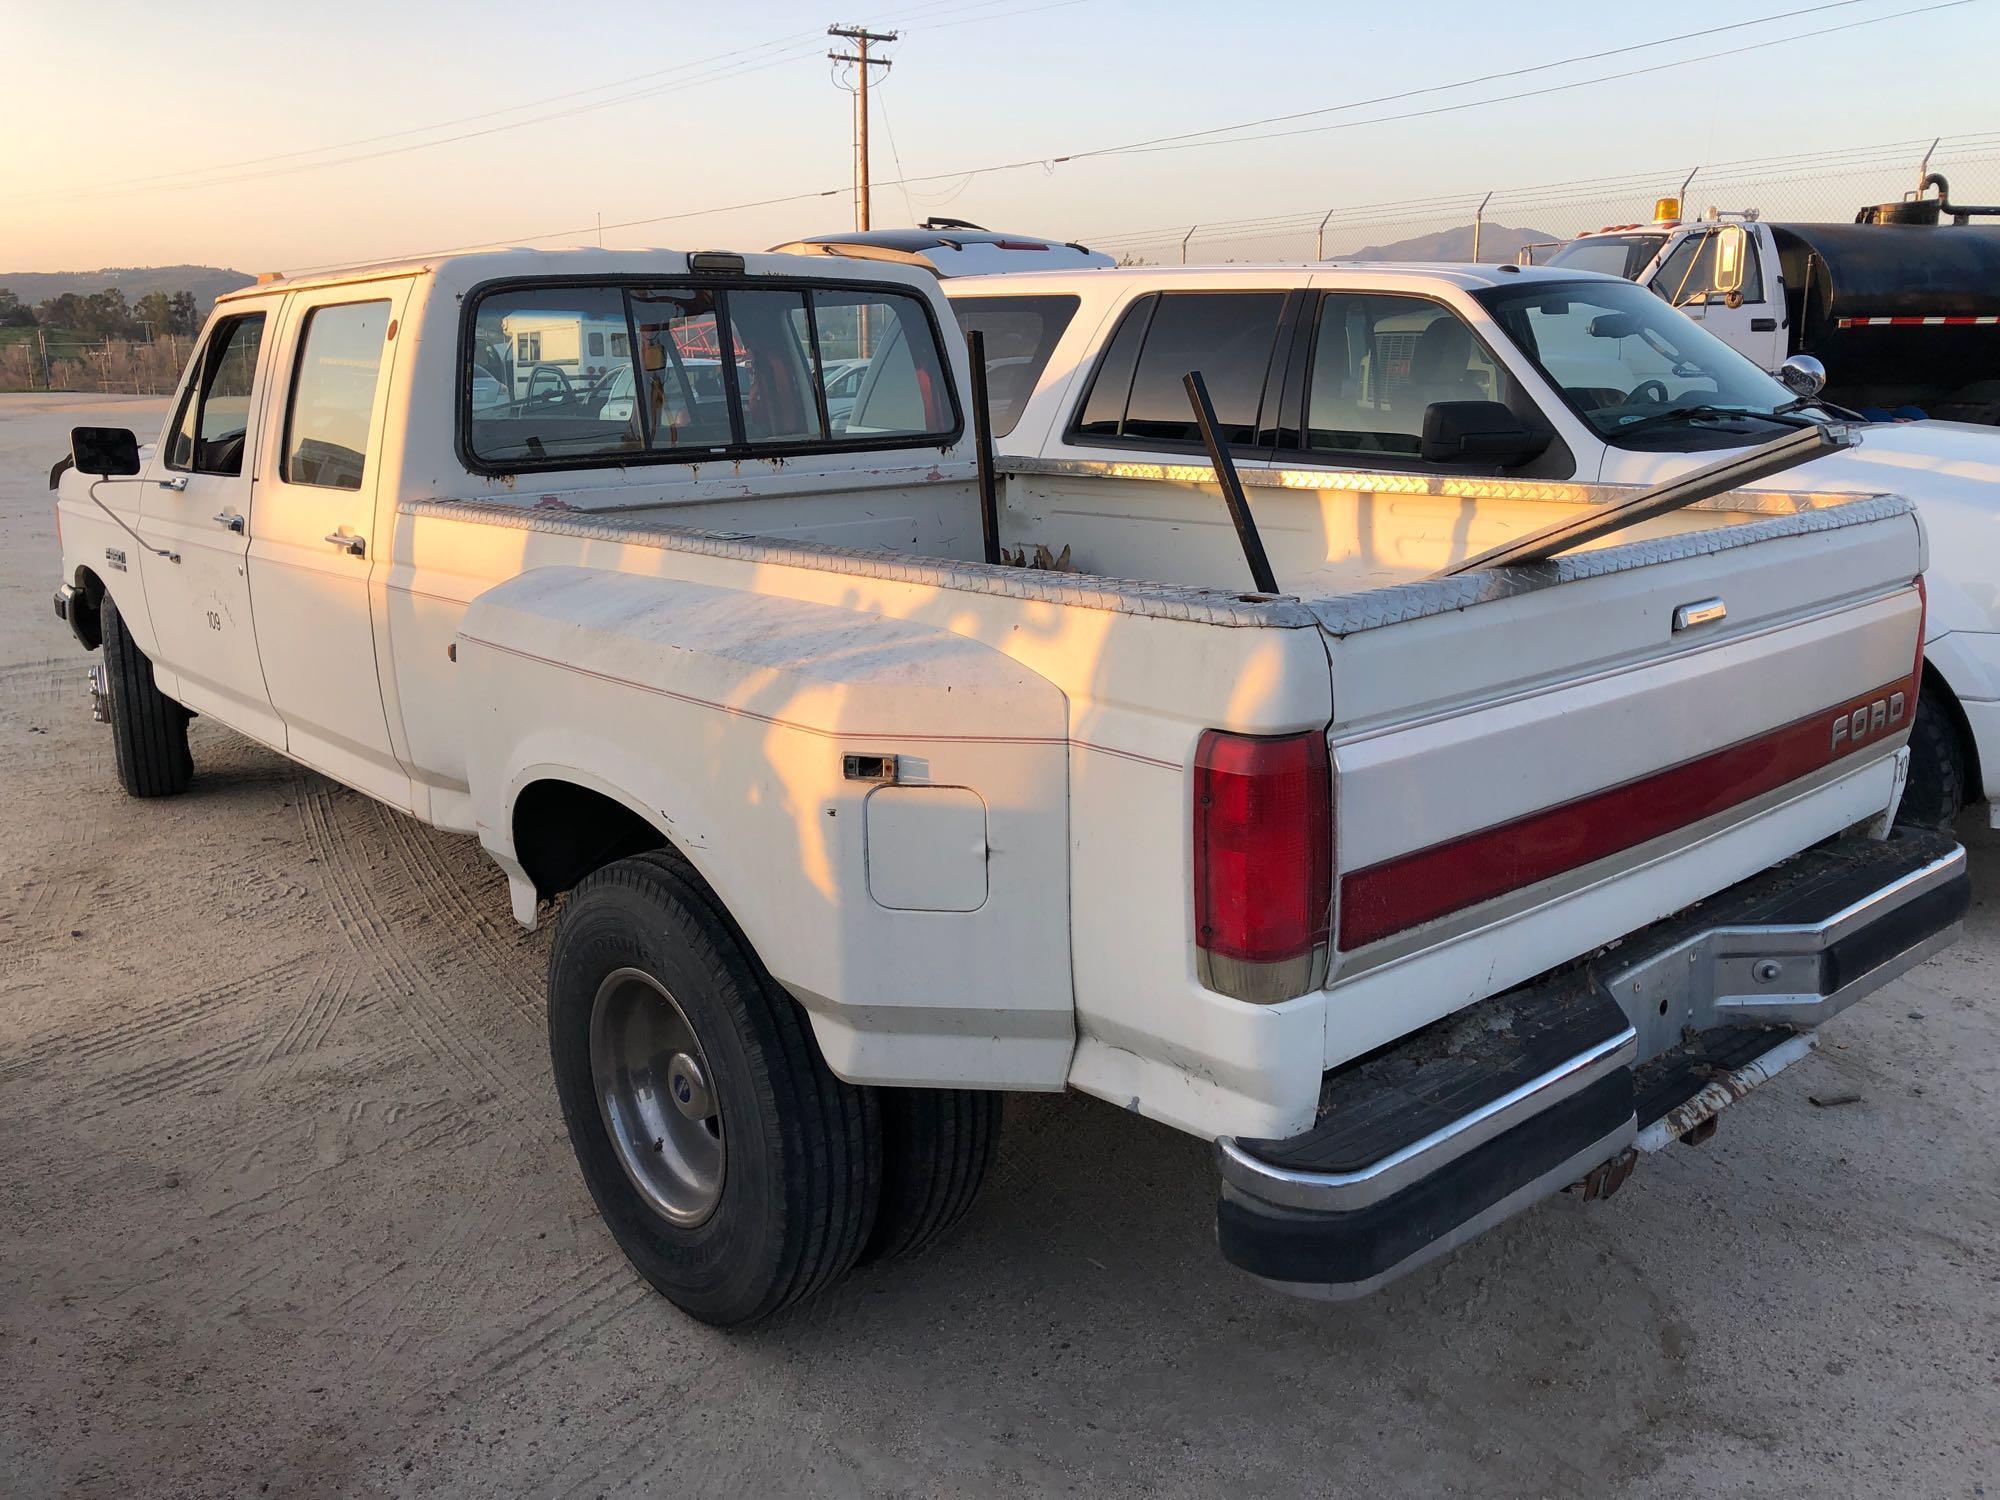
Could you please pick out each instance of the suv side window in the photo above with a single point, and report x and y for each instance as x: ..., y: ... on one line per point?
x: 333, y: 395
x: 1102, y: 414
x: 1228, y: 336
x: 1379, y: 360
x: 210, y: 428
x: 1021, y: 335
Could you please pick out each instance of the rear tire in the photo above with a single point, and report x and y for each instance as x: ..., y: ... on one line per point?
x: 1934, y: 795
x: 938, y: 1146
x: 148, y: 729
x: 786, y: 1201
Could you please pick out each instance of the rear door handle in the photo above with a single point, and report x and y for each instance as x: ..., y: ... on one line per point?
x: 229, y: 522
x: 349, y: 543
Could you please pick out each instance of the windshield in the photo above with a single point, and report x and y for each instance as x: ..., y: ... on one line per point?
x: 1626, y: 362
x: 1613, y: 254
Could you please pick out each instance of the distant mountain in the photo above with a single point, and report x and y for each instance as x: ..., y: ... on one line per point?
x: 1497, y: 242
x: 206, y: 282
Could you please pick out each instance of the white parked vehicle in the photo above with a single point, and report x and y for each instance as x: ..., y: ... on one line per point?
x: 952, y: 247
x: 1899, y: 312
x: 1333, y: 367
x: 1387, y: 884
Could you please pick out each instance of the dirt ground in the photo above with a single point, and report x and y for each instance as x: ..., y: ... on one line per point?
x: 286, y: 1208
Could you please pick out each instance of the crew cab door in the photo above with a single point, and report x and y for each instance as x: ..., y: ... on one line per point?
x: 312, y: 537
x: 1725, y: 277
x: 195, y: 496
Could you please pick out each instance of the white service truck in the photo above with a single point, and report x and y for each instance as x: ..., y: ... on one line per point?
x: 1895, y: 316
x: 1422, y: 892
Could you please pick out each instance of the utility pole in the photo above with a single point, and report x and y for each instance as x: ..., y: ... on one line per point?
x: 861, y: 37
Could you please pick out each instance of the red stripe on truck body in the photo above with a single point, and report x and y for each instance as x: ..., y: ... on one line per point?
x: 1410, y: 889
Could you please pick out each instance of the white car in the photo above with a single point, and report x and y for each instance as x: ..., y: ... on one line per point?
x: 1624, y: 390
x: 1420, y: 897
x: 952, y: 247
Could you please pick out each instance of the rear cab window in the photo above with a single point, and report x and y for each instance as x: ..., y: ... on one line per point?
x: 1021, y: 335
x: 698, y: 369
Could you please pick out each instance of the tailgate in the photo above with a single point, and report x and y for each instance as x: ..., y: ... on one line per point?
x: 1552, y: 728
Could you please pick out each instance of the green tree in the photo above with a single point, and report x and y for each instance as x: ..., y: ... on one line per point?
x: 106, y: 315
x: 13, y: 312
x: 157, y: 309
x: 185, y: 315
x: 66, y: 311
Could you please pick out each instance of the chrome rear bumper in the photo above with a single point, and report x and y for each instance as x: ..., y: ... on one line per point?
x: 1421, y: 1147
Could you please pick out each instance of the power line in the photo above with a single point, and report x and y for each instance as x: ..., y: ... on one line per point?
x: 1048, y: 162
x: 1580, y: 189
x: 1440, y: 88
x: 391, y: 135
x: 1557, y: 88
x: 798, y: 44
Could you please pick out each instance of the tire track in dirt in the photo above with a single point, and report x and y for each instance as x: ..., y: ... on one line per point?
x: 443, y: 886
x: 409, y: 988
x: 169, y: 1075
x: 34, y: 684
x: 146, y: 1026
x: 598, y: 1292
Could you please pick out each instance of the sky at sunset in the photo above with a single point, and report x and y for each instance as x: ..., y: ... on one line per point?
x: 282, y: 136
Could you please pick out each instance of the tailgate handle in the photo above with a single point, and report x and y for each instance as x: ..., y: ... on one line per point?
x: 1700, y: 612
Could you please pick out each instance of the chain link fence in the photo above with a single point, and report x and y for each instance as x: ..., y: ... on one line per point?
x: 37, y: 359
x: 1828, y: 185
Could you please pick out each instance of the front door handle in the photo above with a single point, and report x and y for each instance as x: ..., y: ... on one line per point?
x: 349, y: 543
x: 229, y: 522
x: 172, y: 484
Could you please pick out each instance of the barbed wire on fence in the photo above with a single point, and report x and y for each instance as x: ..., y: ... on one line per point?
x: 1831, y: 183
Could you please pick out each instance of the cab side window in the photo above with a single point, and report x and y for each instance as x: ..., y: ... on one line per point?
x: 1228, y: 336
x: 210, y: 428
x: 333, y: 395
x: 1378, y: 361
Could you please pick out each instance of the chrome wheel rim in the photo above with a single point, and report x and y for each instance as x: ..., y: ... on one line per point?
x: 655, y: 1091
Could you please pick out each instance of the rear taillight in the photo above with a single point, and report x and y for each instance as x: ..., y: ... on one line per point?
x: 1263, y: 863
x: 1923, y: 624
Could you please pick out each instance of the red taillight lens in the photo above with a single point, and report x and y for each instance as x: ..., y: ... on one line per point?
x: 1263, y: 862
x: 1923, y: 624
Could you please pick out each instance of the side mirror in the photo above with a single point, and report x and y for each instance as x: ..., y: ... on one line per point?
x: 107, y: 452
x: 1731, y: 255
x: 1803, y: 375
x: 1482, y: 432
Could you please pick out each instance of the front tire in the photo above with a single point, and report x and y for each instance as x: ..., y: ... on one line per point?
x: 664, y: 1030
x: 148, y: 729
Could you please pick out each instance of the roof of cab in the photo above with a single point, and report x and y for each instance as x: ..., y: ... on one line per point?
x: 460, y: 271
x: 1467, y: 276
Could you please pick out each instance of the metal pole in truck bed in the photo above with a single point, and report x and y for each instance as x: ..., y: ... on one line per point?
x: 982, y: 439
x: 1232, y: 486
x: 1732, y: 473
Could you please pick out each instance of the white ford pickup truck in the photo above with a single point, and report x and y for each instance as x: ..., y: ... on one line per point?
x: 1423, y: 891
